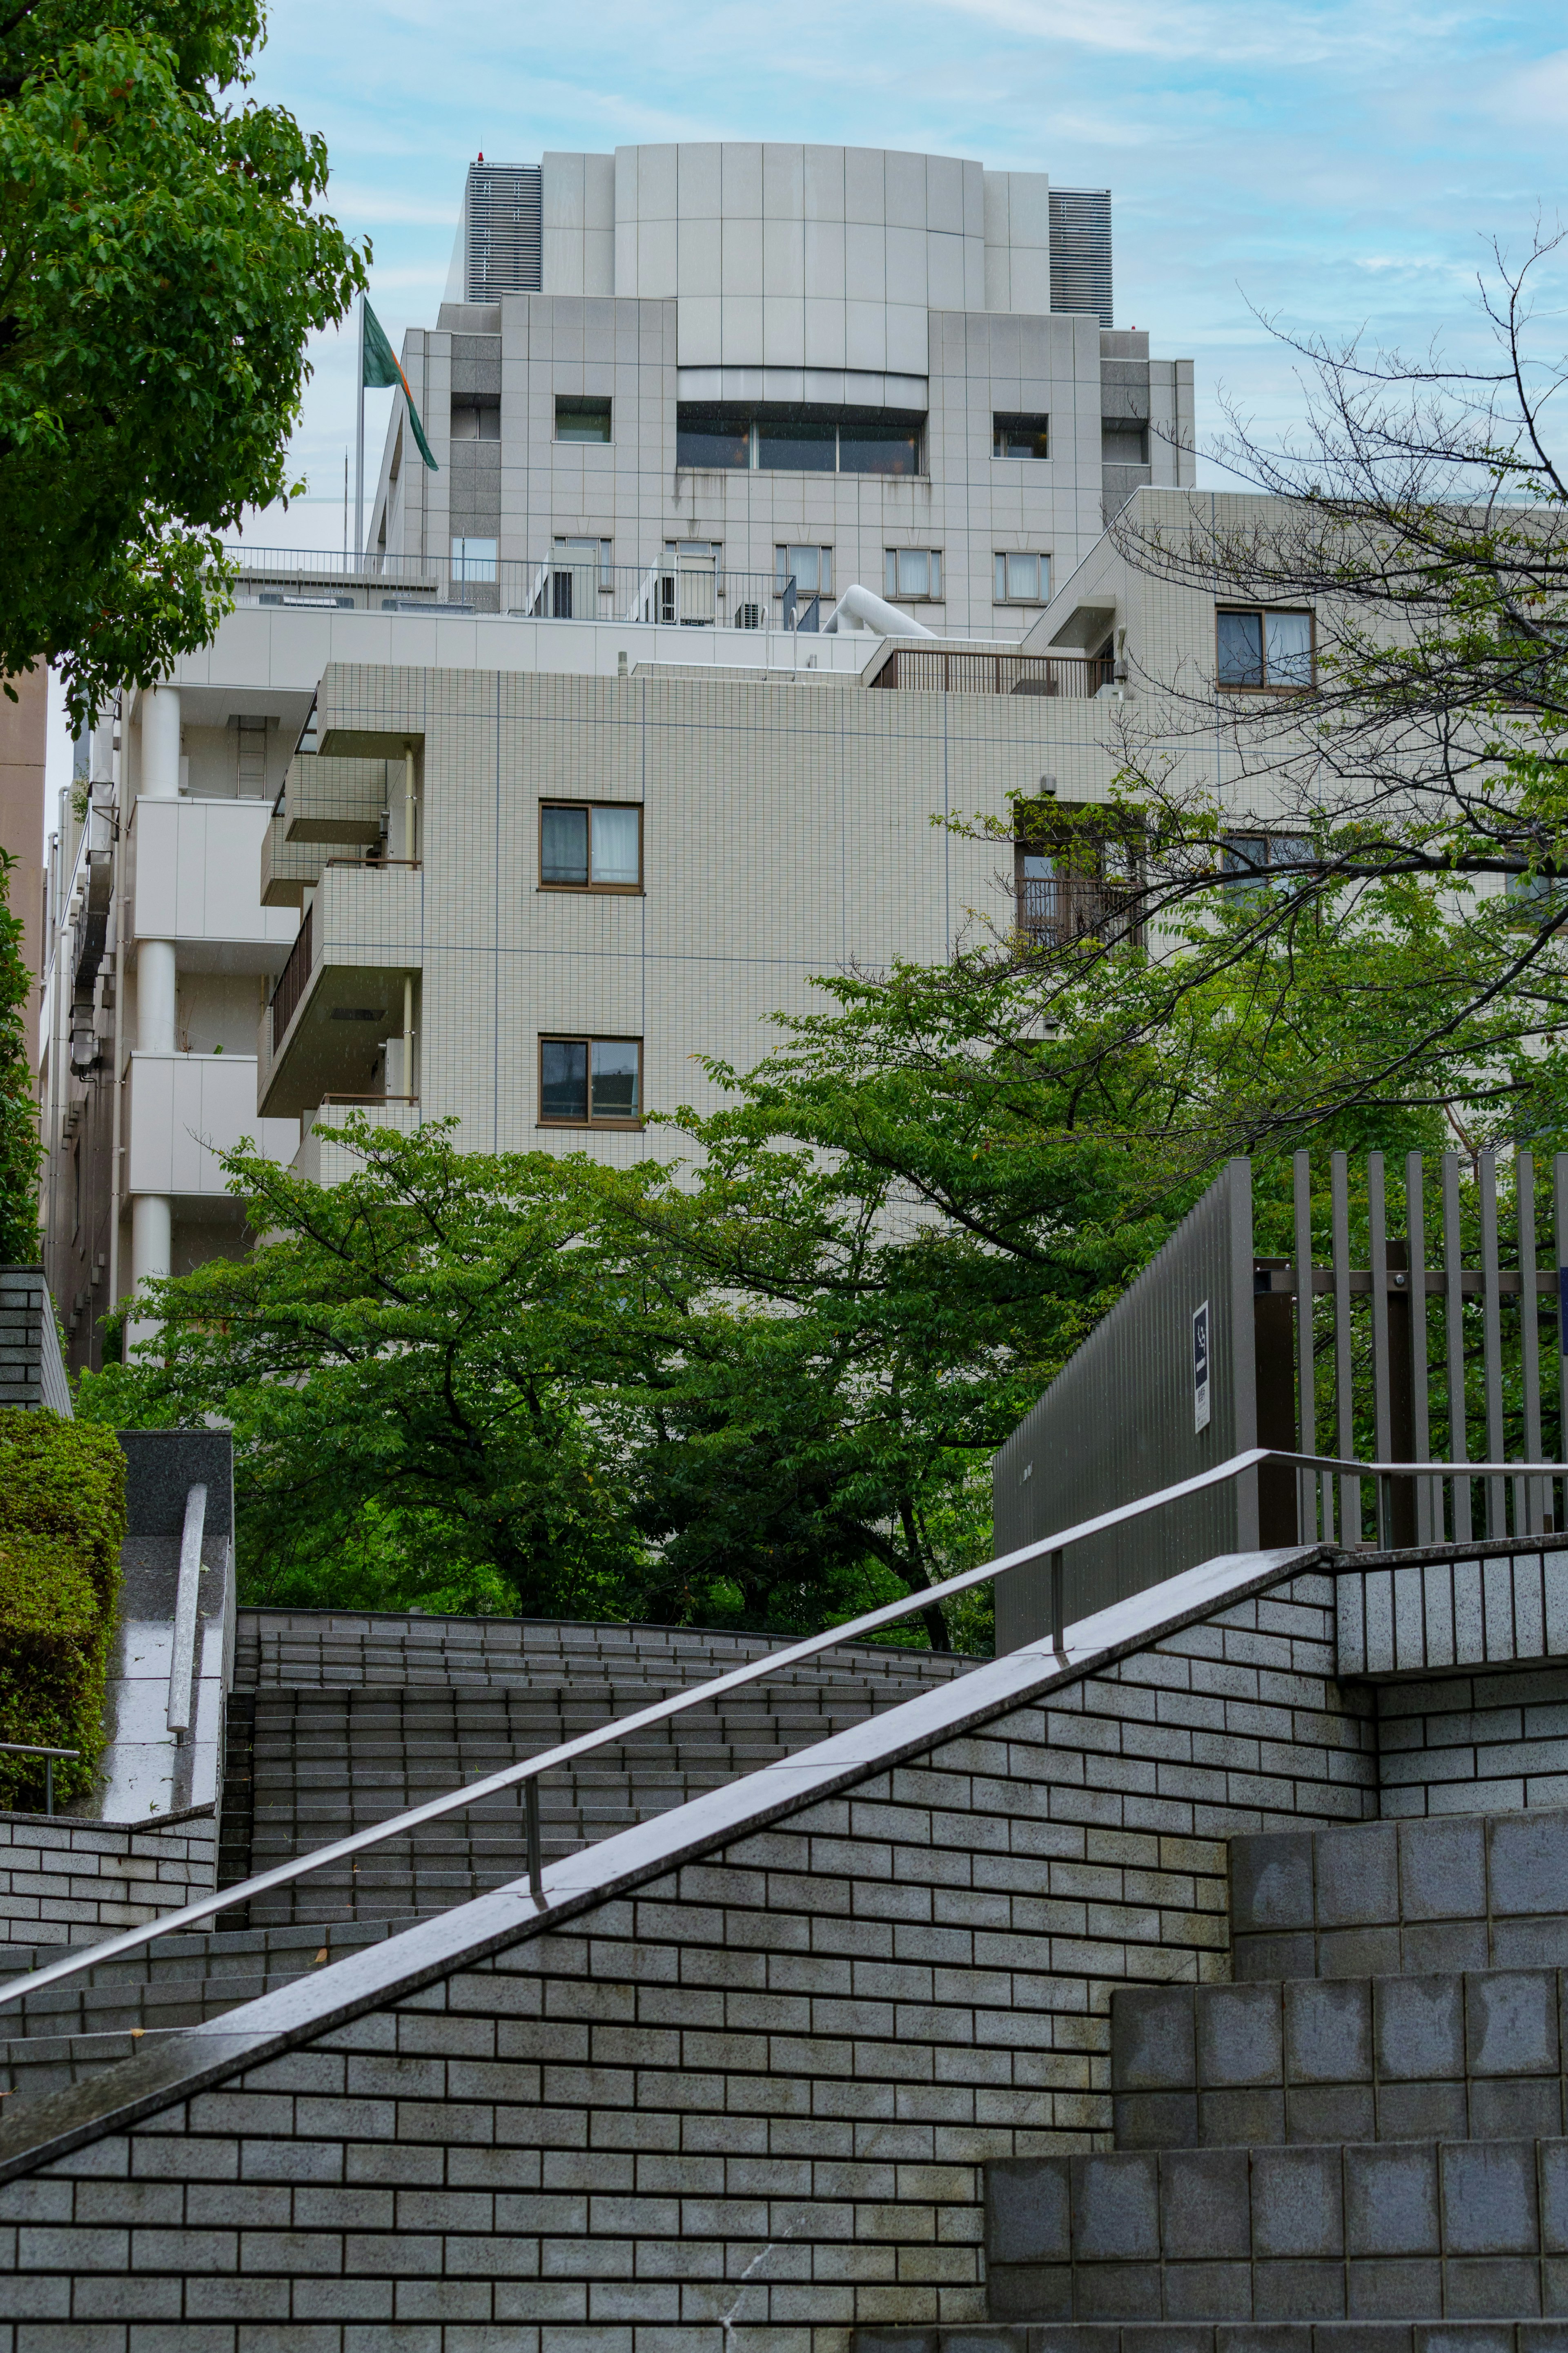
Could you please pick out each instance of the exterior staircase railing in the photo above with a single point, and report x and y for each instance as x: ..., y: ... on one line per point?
x: 530, y: 1772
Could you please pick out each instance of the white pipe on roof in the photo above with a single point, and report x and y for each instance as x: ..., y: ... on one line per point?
x: 858, y: 608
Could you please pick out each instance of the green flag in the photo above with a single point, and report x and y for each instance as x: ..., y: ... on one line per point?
x: 380, y: 369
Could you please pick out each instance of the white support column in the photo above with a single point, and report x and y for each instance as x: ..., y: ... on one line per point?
x: 152, y: 1214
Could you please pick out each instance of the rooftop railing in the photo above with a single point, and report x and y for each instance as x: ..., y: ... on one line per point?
x: 566, y: 585
x: 937, y: 671
x: 528, y: 1775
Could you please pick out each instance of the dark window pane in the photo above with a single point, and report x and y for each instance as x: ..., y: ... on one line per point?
x: 564, y: 1064
x: 879, y: 449
x: 1240, y: 648
x: 614, y: 1079
x: 1020, y: 436
x: 565, y: 845
x: 582, y: 420
x: 799, y: 445
x: 711, y: 437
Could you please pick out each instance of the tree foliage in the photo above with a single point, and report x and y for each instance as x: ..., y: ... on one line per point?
x: 20, y: 1149
x: 163, y: 259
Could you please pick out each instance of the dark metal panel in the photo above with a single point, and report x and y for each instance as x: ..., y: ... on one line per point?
x: 1118, y: 1422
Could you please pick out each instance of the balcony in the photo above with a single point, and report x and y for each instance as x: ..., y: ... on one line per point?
x: 931, y: 670
x: 196, y: 864
x: 340, y: 996
x: 1051, y: 910
x: 182, y: 1110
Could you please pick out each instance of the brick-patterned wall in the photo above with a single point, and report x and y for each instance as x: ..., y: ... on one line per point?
x: 756, y: 2090
x: 1474, y: 1743
x: 69, y: 1883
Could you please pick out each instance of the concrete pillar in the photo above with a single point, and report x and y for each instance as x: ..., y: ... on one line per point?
x: 160, y: 744
x: 152, y: 1252
x: 156, y: 985
x: 152, y: 1214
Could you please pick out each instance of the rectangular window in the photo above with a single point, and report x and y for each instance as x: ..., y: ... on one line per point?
x: 1023, y: 580
x: 590, y: 1082
x: 577, y: 419
x: 590, y: 845
x: 712, y: 438
x: 474, y: 559
x: 806, y: 439
x: 472, y: 421
x: 1124, y: 441
x: 1267, y: 861
x: 1020, y: 436
x: 1260, y: 649
x: 913, y: 573
x: 788, y: 444
x: 879, y: 447
x: 811, y: 569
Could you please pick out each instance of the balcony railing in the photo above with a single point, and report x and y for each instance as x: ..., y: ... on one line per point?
x: 1053, y: 908
x: 291, y: 982
x: 935, y: 670
x: 567, y: 585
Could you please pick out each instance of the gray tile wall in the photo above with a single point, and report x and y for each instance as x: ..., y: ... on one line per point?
x: 757, y: 2091
x: 71, y: 1882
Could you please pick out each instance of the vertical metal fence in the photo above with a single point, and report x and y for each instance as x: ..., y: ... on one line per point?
x: 1450, y: 1321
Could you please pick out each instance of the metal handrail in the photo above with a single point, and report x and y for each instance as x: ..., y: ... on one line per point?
x: 31, y: 1748
x: 531, y: 1771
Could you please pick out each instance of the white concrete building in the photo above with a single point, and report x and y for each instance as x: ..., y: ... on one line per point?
x: 678, y: 379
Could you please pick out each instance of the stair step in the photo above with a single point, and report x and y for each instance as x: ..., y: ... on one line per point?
x: 1506, y: 2336
x: 1478, y: 2054
x: 1381, y: 2230
x: 1445, y: 1893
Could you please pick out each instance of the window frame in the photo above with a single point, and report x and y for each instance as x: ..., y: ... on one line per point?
x: 1261, y: 612
x: 1003, y: 556
x: 580, y: 404
x: 895, y: 596
x: 1007, y: 424
x: 782, y: 574
x: 757, y: 416
x: 590, y: 1038
x: 637, y: 890
x: 1258, y: 875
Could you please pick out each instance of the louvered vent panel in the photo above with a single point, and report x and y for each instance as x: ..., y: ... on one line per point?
x: 1081, y: 251
x: 505, y: 203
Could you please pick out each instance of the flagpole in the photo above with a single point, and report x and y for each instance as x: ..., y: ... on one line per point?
x: 359, y: 460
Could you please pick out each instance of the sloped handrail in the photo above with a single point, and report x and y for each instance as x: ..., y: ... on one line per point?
x: 532, y: 1769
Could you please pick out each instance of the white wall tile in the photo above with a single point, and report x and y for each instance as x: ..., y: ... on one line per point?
x: 783, y: 259
x: 701, y: 330
x: 741, y: 261
x: 1029, y: 210
x: 784, y: 331
x: 944, y: 194
x: 904, y: 180
x: 865, y: 196
x: 906, y: 265
x: 944, y: 272
x: 1031, y: 278
x: 823, y: 245
x: 561, y: 191
x: 824, y: 334
x: 908, y: 350
x: 699, y: 177
x: 655, y: 259
x: 865, y: 266
x: 865, y: 336
x: 598, y: 192
x: 740, y: 164
x: 784, y: 173
x: 823, y: 183
x: 698, y: 253
x: 657, y: 183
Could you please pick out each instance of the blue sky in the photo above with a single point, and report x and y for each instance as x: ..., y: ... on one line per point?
x: 1341, y: 165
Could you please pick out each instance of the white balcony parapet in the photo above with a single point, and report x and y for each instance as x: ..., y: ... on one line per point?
x: 182, y: 1111
x: 196, y: 869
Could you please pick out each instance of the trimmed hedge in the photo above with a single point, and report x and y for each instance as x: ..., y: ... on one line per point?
x: 62, y: 1522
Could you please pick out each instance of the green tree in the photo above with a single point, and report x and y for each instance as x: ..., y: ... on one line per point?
x: 20, y: 1151
x: 422, y: 1367
x: 163, y: 259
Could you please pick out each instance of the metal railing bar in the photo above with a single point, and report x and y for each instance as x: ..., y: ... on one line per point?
x: 31, y: 1748
x: 532, y: 1769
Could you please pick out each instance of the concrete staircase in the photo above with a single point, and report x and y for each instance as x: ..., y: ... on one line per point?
x: 1366, y: 2151
x: 338, y: 1721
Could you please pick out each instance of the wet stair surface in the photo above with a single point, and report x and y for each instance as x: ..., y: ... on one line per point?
x: 1366, y: 2152
x: 338, y: 1721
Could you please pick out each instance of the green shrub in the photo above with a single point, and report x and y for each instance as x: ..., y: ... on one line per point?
x: 62, y: 1521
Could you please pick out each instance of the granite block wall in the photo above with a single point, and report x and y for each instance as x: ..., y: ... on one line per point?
x: 71, y: 1882
x: 756, y: 2090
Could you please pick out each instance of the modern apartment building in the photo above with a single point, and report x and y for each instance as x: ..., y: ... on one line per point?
x: 721, y: 382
